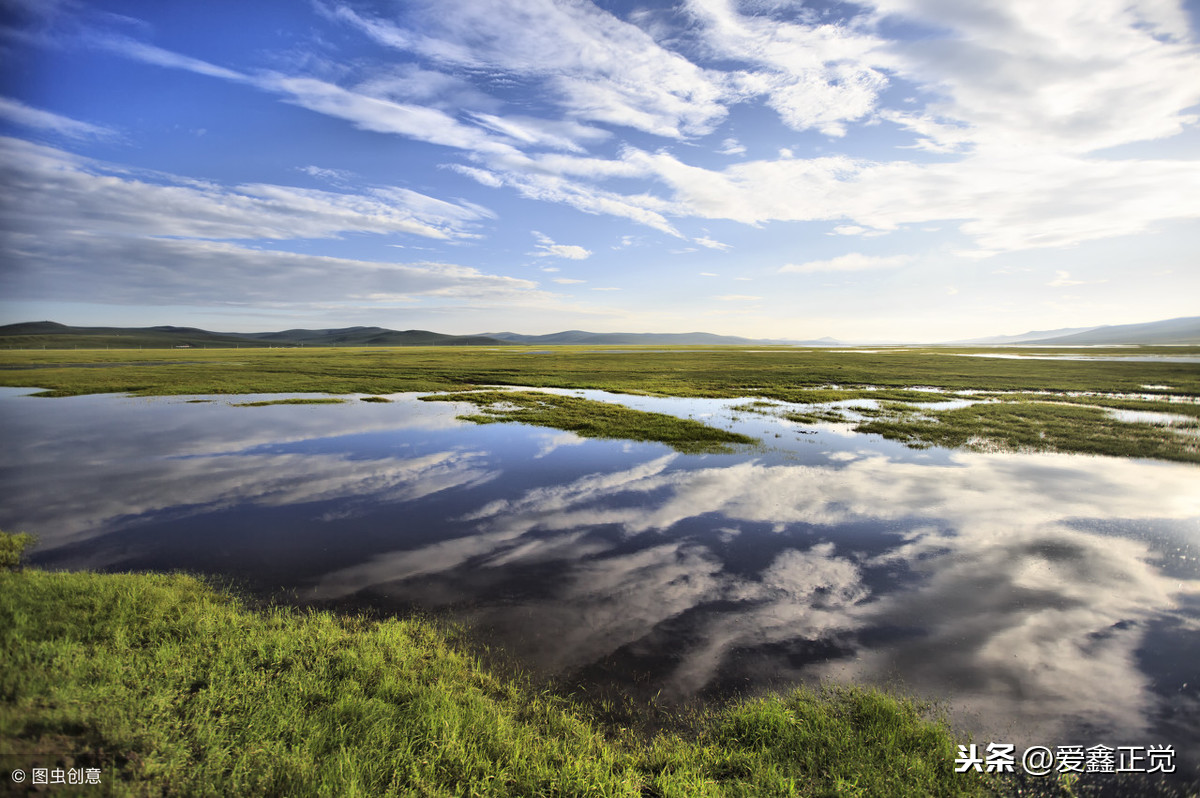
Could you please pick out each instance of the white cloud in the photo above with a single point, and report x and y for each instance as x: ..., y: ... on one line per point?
x: 82, y: 267
x: 1018, y: 98
x: 568, y: 281
x: 732, y: 146
x: 337, y: 176
x: 364, y: 111
x: 1016, y: 75
x: 705, y: 241
x: 596, y: 66
x: 22, y: 114
x: 852, y: 262
x: 528, y: 131
x: 1004, y: 204
x: 88, y: 231
x: 546, y: 248
x: 848, y: 230
x: 148, y: 53
x: 814, y: 74
x: 412, y: 83
x: 1063, y: 279
x: 65, y: 192
x: 737, y: 298
x: 533, y: 182
x: 417, y: 122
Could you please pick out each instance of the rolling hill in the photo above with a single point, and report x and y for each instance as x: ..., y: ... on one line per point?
x: 1185, y: 330
x: 50, y: 334
x: 584, y: 338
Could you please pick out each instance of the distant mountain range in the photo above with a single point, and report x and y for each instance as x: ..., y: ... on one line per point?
x: 1033, y: 335
x: 51, y: 334
x: 48, y: 333
x: 1184, y: 330
x: 582, y: 338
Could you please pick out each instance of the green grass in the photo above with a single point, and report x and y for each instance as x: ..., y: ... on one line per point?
x: 173, y: 688
x: 1038, y: 426
x: 319, y: 400
x: 823, y: 415
x: 593, y: 419
x: 787, y: 374
x: 11, y: 549
x: 795, y: 376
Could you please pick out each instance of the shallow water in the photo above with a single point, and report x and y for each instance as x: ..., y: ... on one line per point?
x: 1052, y: 599
x: 1116, y: 358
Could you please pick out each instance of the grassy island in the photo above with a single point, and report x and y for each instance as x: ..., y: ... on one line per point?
x: 592, y: 419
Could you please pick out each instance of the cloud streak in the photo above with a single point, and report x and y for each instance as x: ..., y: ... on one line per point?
x: 22, y: 114
x: 853, y: 262
x: 1117, y: 75
x: 87, y: 231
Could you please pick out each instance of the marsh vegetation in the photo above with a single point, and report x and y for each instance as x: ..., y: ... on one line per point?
x: 593, y: 419
x: 1023, y: 404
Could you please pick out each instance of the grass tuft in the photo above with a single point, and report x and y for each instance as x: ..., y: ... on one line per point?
x: 296, y: 401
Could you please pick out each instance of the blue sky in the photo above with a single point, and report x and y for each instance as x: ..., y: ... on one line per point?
x: 886, y: 170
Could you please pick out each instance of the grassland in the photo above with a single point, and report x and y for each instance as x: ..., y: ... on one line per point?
x: 1033, y: 425
x: 593, y: 419
x: 170, y: 687
x: 804, y: 378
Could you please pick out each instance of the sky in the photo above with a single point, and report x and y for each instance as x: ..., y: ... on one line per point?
x: 886, y: 170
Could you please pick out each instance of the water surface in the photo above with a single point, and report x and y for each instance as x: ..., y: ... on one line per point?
x: 1052, y: 599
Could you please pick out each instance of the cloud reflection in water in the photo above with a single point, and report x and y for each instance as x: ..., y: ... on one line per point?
x: 1018, y: 583
x: 1031, y: 590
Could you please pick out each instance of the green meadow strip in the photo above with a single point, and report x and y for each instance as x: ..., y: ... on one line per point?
x: 296, y: 401
x: 593, y: 419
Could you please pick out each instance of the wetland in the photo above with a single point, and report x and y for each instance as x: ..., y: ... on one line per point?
x: 1020, y: 540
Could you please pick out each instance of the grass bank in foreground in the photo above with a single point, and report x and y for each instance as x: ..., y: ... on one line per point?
x: 170, y: 687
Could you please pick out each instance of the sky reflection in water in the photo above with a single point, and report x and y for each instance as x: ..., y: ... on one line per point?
x: 1052, y: 599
